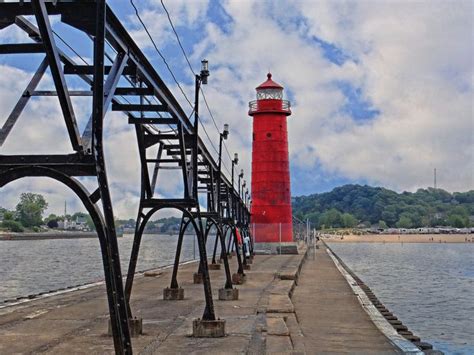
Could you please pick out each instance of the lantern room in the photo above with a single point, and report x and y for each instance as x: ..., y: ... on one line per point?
x: 269, y: 90
x: 269, y: 98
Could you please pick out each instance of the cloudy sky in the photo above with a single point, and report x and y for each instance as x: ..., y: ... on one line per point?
x: 381, y: 91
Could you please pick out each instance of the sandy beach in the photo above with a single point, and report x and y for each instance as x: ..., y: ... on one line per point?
x: 401, y: 238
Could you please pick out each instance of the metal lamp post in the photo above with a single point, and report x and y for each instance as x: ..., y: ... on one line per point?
x: 199, y: 79
x: 241, y: 175
x: 223, y: 136
x: 235, y: 161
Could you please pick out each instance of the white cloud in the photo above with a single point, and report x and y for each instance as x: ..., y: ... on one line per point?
x: 411, y: 60
x: 183, y: 13
x: 417, y: 63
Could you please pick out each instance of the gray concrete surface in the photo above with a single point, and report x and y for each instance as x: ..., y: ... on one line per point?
x: 329, y: 314
x: 282, y: 308
x: 76, y: 322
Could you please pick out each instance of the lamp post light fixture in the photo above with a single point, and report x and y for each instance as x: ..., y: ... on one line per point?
x: 243, y: 186
x: 241, y: 175
x: 222, y: 137
x: 235, y: 161
x: 200, y: 79
x: 225, y: 132
x: 204, y: 71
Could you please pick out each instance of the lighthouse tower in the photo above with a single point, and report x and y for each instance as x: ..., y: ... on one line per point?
x: 271, y: 197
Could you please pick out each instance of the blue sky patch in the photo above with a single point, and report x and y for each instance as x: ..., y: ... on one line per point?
x: 316, y: 179
x: 357, y: 106
x: 333, y: 53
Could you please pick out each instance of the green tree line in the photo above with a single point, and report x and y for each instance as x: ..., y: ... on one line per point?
x: 29, y: 211
x: 27, y: 214
x: 352, y: 205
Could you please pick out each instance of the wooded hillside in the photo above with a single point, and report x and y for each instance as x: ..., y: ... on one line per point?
x: 351, y: 205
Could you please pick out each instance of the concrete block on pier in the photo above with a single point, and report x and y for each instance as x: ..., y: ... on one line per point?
x: 400, y: 327
x: 208, y: 328
x: 152, y: 273
x: 423, y: 345
x: 228, y: 294
x: 238, y: 279
x: 395, y: 321
x: 433, y: 352
x: 135, y: 324
x: 197, y: 278
x: 214, y: 266
x: 277, y: 326
x: 247, y: 267
x: 276, y: 248
x: 287, y: 249
x: 280, y: 304
x: 283, y: 287
x: 173, y: 294
x: 291, y: 271
x: 411, y: 337
x: 276, y: 344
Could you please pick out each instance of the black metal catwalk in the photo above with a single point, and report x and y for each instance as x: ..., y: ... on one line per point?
x: 124, y: 81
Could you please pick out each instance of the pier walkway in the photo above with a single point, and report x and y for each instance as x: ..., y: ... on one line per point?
x: 273, y: 314
x: 329, y: 314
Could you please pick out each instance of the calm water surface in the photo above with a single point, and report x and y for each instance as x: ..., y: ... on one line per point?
x: 33, y: 266
x: 430, y: 287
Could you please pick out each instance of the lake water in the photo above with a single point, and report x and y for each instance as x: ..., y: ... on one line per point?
x: 430, y: 287
x: 33, y: 266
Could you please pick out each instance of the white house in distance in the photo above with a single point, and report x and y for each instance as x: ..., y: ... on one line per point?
x: 79, y: 224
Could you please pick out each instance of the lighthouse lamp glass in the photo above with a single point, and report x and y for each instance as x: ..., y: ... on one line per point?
x: 270, y: 94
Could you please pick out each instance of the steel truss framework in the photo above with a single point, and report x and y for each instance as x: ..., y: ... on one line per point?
x: 182, y: 149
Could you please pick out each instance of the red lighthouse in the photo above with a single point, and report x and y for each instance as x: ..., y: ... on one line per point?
x: 271, y: 197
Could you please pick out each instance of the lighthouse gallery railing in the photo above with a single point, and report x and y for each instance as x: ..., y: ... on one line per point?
x: 280, y: 105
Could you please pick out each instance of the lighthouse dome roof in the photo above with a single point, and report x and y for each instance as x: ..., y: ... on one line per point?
x: 269, y: 84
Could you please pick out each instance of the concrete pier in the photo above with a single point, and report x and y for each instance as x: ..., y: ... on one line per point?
x: 282, y: 307
x: 329, y: 314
